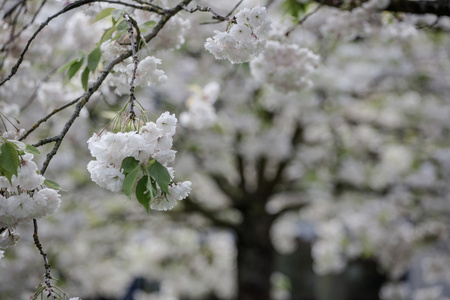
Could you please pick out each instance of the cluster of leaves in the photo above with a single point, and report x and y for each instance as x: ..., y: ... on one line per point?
x: 75, y: 65
x: 154, y: 175
x: 10, y: 153
x: 117, y: 31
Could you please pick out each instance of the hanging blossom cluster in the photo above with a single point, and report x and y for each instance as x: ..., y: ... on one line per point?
x: 22, y: 198
x: 152, y: 143
x: 147, y: 73
x: 201, y: 112
x: 244, y: 38
x: 284, y: 66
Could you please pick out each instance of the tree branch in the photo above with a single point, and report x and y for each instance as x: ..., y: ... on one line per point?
x: 288, y: 208
x: 302, y: 20
x: 44, y: 119
x: 435, y: 7
x: 229, y: 190
x: 209, y: 214
x: 240, y: 165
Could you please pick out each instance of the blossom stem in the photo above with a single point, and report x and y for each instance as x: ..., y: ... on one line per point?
x: 135, y: 61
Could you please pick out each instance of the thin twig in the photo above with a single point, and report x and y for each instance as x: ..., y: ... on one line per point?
x: 302, y: 20
x: 234, y: 8
x: 12, y: 8
x: 55, y: 111
x: 47, y: 275
x: 15, y: 36
x: 207, y: 9
x: 150, y: 4
x: 216, y: 16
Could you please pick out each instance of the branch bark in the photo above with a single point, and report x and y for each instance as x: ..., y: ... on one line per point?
x: 435, y: 7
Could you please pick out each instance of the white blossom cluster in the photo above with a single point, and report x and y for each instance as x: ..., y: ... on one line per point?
x: 201, y: 112
x: 326, y: 251
x: 153, y: 141
x: 172, y: 35
x: 111, y: 50
x: 347, y: 25
x: 23, y: 199
x: 285, y: 66
x: 380, y: 230
x: 245, y: 37
x: 147, y: 72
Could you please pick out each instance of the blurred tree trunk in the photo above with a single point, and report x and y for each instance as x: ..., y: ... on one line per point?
x: 255, y: 253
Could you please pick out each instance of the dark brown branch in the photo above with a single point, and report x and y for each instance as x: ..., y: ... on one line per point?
x: 435, y: 7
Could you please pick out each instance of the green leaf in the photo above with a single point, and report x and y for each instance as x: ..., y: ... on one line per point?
x: 160, y: 174
x: 143, y: 194
x: 149, y: 24
x: 129, y: 182
x: 85, y: 78
x: 17, y: 144
x: 122, y: 26
x: 74, y: 68
x: 32, y: 149
x: 103, y: 14
x: 117, y: 36
x: 117, y: 13
x: 9, y: 160
x: 7, y: 174
x: 68, y: 64
x: 108, y: 33
x: 94, y: 58
x: 295, y: 8
x: 129, y: 164
x: 52, y: 184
